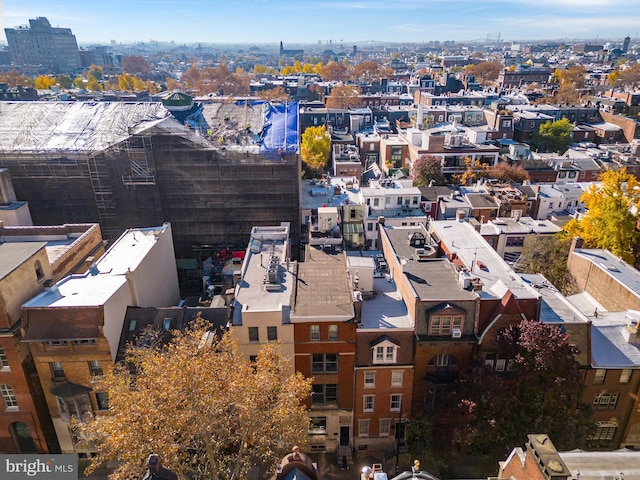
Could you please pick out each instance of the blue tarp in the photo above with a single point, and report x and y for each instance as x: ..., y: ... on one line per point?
x: 280, y: 132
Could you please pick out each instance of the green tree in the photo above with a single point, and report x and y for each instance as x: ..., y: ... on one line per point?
x: 64, y: 81
x: 547, y: 255
x: 201, y: 405
x: 315, y: 146
x: 427, y: 169
x: 612, y: 215
x: 553, y: 136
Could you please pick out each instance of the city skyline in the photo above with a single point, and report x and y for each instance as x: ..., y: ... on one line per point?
x: 341, y: 22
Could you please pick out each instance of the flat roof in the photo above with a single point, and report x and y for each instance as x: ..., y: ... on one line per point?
x: 386, y: 309
x: 253, y: 292
x: 322, y: 288
x: 12, y: 255
x: 614, y: 343
x: 96, y: 286
x: 481, y: 259
x: 555, y: 306
x: 434, y: 279
x: 599, y: 465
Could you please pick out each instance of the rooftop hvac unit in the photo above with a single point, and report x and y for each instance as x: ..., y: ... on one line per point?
x: 272, y: 275
x: 456, y: 333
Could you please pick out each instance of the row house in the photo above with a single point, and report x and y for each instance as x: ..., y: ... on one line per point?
x: 523, y: 75
x: 451, y: 144
x: 426, y: 98
x: 32, y: 258
x: 73, y: 328
x: 390, y: 202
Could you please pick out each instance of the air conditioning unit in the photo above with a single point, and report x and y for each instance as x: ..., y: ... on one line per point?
x: 456, y: 333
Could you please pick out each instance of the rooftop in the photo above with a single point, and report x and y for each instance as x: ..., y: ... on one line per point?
x: 619, y: 270
x: 386, y: 309
x: 267, y: 277
x: 461, y: 239
x: 12, y: 255
x: 321, y: 289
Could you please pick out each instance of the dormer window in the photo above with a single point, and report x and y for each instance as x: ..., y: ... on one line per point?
x: 385, y: 352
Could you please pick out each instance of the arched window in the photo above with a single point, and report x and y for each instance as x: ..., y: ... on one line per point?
x: 8, y: 397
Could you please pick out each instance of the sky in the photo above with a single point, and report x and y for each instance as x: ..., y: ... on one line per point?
x: 342, y: 22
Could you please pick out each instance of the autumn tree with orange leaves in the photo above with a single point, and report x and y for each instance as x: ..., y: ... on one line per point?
x: 203, y: 407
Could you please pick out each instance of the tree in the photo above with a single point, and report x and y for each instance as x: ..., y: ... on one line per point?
x: 627, y: 77
x: 263, y: 70
x: 549, y: 383
x: 345, y: 96
x: 125, y: 82
x: 427, y: 169
x: 474, y: 171
x: 80, y: 83
x: 135, y: 64
x: 45, y: 82
x: 484, y: 72
x: 367, y: 72
x: 93, y: 85
x: 277, y: 94
x: 14, y: 78
x: 547, y: 255
x: 571, y: 80
x: 95, y: 71
x: 335, y: 72
x: 612, y: 215
x: 511, y: 173
x: 199, y: 404
x: 489, y: 415
x: 553, y: 136
x: 315, y: 146
x: 64, y: 81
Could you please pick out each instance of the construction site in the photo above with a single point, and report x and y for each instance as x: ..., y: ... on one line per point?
x: 212, y: 170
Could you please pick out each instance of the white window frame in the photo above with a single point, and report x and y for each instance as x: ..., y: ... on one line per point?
x: 368, y: 403
x: 385, y: 353
x: 385, y: 427
x: 599, y: 376
x: 314, y: 333
x: 625, y: 375
x: 4, y: 363
x: 369, y: 378
x: 395, y: 402
x: 363, y: 427
x: 397, y: 377
x: 334, y: 333
x: 605, y: 401
x: 8, y: 397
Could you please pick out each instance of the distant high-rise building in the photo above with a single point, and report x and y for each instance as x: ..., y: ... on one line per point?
x: 41, y: 48
x: 625, y: 45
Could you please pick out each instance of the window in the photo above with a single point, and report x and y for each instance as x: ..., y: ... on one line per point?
x: 604, y: 401
x: 385, y: 427
x: 324, y: 362
x: 95, y: 367
x: 324, y: 393
x: 396, y: 378
x: 315, y: 332
x: 376, y: 202
x: 38, y: 269
x: 333, y: 332
x: 55, y: 343
x: 363, y: 428
x: 352, y: 213
x: 370, y: 379
x: 272, y: 334
x: 369, y: 226
x: 132, y: 325
x: 625, y: 375
x: 399, y: 200
x: 516, y: 241
x: 442, y: 360
x: 501, y: 364
x: 166, y: 324
x: 604, y: 431
x: 253, y: 334
x: 443, y: 324
x: 9, y: 398
x: 598, y: 378
x: 57, y: 372
x: 385, y: 353
x: 84, y: 342
x: 318, y: 425
x: 367, y: 404
x: 4, y: 363
x: 396, y: 403
x: 102, y: 399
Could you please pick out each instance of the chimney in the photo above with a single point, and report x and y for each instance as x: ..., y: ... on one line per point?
x: 576, y: 242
